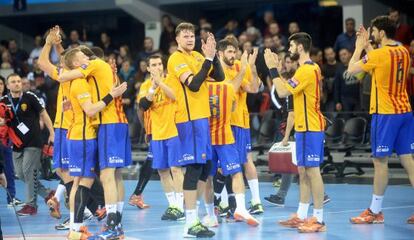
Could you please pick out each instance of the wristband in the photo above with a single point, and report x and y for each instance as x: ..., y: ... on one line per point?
x: 273, y: 73
x: 107, y: 99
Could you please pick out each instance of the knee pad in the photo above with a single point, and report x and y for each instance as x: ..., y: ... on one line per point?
x: 205, y: 171
x: 191, y: 177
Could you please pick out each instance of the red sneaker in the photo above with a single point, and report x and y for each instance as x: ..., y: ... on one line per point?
x: 411, y: 220
x: 368, y: 217
x: 311, y: 225
x: 27, y: 210
x: 138, y: 201
x: 54, y: 208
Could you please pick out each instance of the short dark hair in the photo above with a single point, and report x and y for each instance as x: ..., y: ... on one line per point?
x: 99, y: 52
x: 12, y: 75
x: 386, y: 24
x: 87, y: 51
x: 302, y: 38
x: 314, y: 51
x: 350, y: 20
x: 153, y: 56
x: 391, y: 10
x: 223, y: 44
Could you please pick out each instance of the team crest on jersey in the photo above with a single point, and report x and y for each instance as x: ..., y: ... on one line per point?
x: 83, y: 95
x: 365, y: 59
x: 84, y: 66
x: 293, y: 82
x: 23, y: 107
x: 182, y: 65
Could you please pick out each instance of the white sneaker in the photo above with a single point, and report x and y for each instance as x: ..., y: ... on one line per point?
x: 210, y: 221
x: 245, y: 216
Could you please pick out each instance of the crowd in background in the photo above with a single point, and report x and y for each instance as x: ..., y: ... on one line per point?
x: 342, y: 93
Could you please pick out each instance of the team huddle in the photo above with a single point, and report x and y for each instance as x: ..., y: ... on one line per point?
x: 197, y: 125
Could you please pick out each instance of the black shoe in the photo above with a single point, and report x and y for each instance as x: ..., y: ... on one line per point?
x: 177, y: 214
x: 326, y: 199
x: 275, y: 200
x: 198, y: 230
x: 167, y: 215
x: 65, y: 225
x: 256, y: 209
x: 221, y: 211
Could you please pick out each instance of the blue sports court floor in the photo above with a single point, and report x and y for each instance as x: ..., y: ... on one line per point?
x: 347, y: 200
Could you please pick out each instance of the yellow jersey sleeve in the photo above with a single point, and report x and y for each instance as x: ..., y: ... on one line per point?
x: 369, y: 61
x: 299, y: 81
x: 179, y: 65
x: 89, y: 69
x: 143, y: 90
x: 55, y: 73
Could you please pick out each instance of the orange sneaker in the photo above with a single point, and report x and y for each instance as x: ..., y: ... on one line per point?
x: 311, y: 225
x: 83, y: 234
x: 293, y: 222
x: 100, y: 213
x: 54, y: 206
x: 368, y: 217
x: 138, y: 201
x: 411, y: 220
x: 246, y: 217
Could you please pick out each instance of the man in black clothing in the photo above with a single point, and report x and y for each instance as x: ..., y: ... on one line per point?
x: 347, y: 86
x: 328, y: 73
x: 27, y: 111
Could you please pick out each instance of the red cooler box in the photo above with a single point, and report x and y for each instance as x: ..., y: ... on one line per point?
x: 280, y: 158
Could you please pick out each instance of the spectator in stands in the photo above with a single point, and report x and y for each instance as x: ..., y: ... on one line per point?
x: 167, y: 34
x: 173, y: 47
x: 106, y: 44
x: 254, y: 36
x: 242, y: 39
x: 346, y: 90
x: 316, y: 55
x: 293, y: 28
x: 204, y: 30
x: 19, y: 58
x: 27, y: 85
x: 328, y: 73
x: 279, y: 46
x: 124, y: 55
x: 231, y: 27
x: 148, y: 49
x: 127, y: 72
x: 348, y: 38
x: 6, y: 62
x: 403, y: 32
x: 274, y: 30
x: 3, y: 46
x: 36, y: 50
x: 268, y: 19
x: 74, y: 40
x: 36, y: 71
x: 247, y: 46
x: 141, y: 74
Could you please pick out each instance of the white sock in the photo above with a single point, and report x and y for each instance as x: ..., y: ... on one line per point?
x: 224, y: 198
x: 171, y: 198
x: 119, y: 206
x: 318, y: 213
x: 179, y: 198
x: 240, y: 202
x: 209, y: 209
x: 76, y: 226
x: 110, y: 208
x: 190, y: 217
x: 376, y: 203
x: 198, y: 206
x: 59, y: 192
x: 254, y: 188
x: 303, y: 210
x: 71, y: 219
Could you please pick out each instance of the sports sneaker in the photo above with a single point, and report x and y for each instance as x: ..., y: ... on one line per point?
x: 108, y: 234
x: 293, y: 222
x: 411, y: 220
x: 138, y: 201
x: 54, y: 205
x: 311, y: 225
x: 167, y: 214
x: 256, y: 208
x: 83, y: 234
x: 210, y: 221
x: 276, y: 183
x: 198, y: 230
x: 27, y: 210
x: 49, y: 196
x: 177, y: 214
x: 326, y: 199
x: 65, y: 225
x: 100, y: 214
x: 222, y: 211
x: 246, y: 217
x: 275, y: 200
x: 368, y: 217
x: 87, y: 216
x: 16, y: 202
